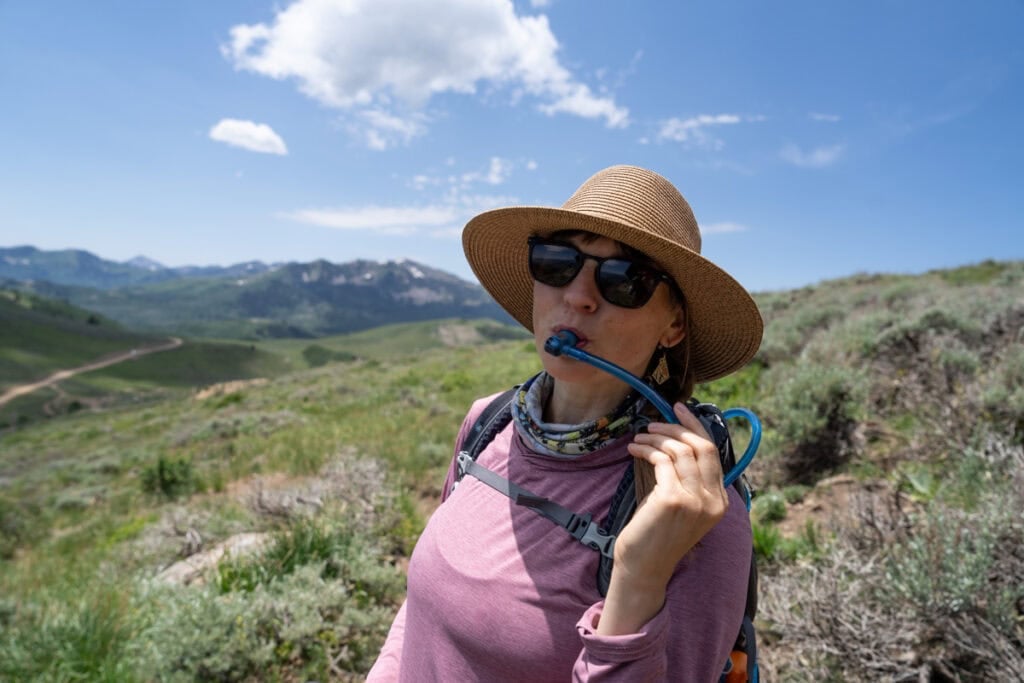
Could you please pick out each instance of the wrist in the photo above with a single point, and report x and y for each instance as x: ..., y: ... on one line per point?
x: 629, y: 605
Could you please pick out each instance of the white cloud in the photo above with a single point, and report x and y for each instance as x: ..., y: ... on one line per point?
x: 819, y: 157
x: 382, y: 130
x: 255, y: 137
x: 577, y: 98
x: 455, y: 201
x: 381, y: 59
x: 383, y: 219
x: 693, y: 131
x: 720, y: 228
x: 827, y: 118
x: 496, y: 174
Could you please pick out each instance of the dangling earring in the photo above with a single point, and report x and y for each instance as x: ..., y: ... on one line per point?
x: 661, y: 373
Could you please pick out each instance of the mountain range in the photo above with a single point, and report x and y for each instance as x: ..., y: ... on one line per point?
x: 247, y: 300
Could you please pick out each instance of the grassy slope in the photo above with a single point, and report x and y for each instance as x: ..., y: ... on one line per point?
x: 39, y: 336
x: 73, y: 488
x: 392, y: 341
x: 904, y: 381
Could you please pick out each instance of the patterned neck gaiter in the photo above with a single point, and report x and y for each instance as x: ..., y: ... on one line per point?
x: 569, y: 441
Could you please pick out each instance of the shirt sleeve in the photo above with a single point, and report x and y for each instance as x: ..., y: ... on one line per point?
x: 690, y: 638
x: 386, y: 668
x: 637, y: 656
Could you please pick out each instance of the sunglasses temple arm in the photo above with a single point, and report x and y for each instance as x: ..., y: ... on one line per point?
x: 564, y: 344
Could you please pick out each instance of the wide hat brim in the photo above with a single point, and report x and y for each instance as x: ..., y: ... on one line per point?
x: 725, y: 324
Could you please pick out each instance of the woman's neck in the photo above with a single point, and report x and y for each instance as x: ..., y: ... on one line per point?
x: 571, y: 403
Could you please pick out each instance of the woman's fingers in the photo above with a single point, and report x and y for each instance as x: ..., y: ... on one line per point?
x: 690, y: 421
x: 696, y: 437
x: 694, y: 457
x: 674, y: 464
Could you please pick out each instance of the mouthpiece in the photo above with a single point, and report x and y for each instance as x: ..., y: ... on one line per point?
x: 558, y: 343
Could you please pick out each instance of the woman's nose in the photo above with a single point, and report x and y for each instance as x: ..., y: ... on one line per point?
x: 582, y: 292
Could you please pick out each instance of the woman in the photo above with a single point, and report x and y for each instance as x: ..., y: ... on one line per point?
x: 499, y: 593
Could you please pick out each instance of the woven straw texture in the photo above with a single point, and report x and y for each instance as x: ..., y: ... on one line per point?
x: 643, y: 210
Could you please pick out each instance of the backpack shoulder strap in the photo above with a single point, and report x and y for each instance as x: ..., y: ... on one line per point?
x: 491, y: 420
x: 623, y: 506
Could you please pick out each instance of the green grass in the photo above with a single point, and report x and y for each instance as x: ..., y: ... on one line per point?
x: 395, y: 341
x: 81, y: 497
x: 85, y: 520
x: 39, y: 336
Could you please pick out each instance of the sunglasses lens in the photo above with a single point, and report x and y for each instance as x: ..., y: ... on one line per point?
x: 625, y: 283
x: 554, y: 264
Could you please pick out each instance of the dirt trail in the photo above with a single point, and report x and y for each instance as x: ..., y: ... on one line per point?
x: 61, y: 375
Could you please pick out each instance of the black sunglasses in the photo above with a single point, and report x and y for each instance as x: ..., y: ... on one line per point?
x: 621, y: 281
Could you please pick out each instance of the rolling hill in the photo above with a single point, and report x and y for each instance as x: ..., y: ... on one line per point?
x: 41, y: 336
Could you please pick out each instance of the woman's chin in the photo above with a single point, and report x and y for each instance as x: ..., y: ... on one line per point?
x: 575, y: 372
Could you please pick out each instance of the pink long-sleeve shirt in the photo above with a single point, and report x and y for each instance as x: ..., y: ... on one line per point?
x: 498, y: 593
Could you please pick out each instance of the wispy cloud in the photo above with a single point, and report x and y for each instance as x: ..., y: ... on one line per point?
x: 694, y: 130
x: 382, y: 61
x: 819, y: 157
x: 255, y: 137
x: 826, y: 118
x: 383, y: 219
x: 382, y: 130
x: 496, y: 174
x: 454, y: 199
x: 721, y: 228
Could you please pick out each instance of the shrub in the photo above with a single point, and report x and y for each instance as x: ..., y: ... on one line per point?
x: 171, y: 477
x: 316, y: 355
x: 940, y: 600
x: 501, y: 332
x: 767, y: 541
x: 19, y: 525
x: 86, y: 639
x: 295, y: 626
x: 814, y: 412
x: 306, y: 541
x: 795, y: 493
x: 1003, y: 392
x: 769, y: 507
x: 943, y: 567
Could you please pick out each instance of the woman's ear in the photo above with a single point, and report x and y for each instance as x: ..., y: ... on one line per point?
x: 676, y: 329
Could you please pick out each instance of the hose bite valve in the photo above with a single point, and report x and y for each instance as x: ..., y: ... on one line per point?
x: 564, y: 344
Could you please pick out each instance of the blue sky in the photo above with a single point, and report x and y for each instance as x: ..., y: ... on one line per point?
x: 813, y: 139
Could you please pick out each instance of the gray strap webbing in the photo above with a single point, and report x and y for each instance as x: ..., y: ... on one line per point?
x: 581, y: 527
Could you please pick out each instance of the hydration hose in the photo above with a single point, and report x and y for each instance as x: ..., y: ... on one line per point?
x: 564, y: 344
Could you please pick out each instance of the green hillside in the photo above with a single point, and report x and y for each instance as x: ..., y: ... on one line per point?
x: 39, y: 336
x: 392, y: 341
x: 888, y: 526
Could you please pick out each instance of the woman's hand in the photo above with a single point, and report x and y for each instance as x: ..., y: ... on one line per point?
x: 688, y: 499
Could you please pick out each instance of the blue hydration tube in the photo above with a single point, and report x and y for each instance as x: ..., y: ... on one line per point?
x: 564, y: 344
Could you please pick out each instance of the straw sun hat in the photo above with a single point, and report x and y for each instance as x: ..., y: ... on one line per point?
x: 641, y: 209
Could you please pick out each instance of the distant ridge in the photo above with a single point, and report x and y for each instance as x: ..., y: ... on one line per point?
x: 82, y: 268
x: 250, y: 300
